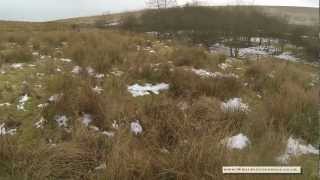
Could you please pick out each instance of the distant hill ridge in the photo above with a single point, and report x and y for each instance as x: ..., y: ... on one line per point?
x: 295, y: 15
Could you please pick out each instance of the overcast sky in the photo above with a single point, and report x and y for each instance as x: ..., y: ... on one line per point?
x: 43, y: 10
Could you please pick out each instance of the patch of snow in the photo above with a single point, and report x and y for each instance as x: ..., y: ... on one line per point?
x: 108, y: 134
x: 138, y: 48
x: 206, y: 74
x: 272, y: 74
x: 35, y: 53
x: 62, y: 121
x: 95, y: 128
x: 252, y: 51
x: 22, y: 102
x: 4, y: 131
x: 40, y: 74
x: 296, y: 148
x: 149, y: 49
x: 264, y: 40
x: 90, y: 71
x: 164, y: 150
x: 224, y: 66
x: 76, y: 70
x: 5, y: 104
x: 17, y: 65
x: 203, y: 73
x: 86, y: 119
x: 32, y: 65
x: 315, y: 79
x: 287, y: 56
x: 99, y: 76
x: 258, y: 50
x: 152, y: 33
x: 101, y: 167
x: 155, y: 65
x: 113, y: 23
x: 136, y: 128
x: 239, y: 141
x: 43, y: 105
x: 65, y: 60
x: 234, y: 105
x: 115, y: 125
x: 137, y: 90
x: 40, y: 123
x: 44, y: 57
x: 97, y: 89
x: 117, y: 73
x: 64, y: 43
x: 55, y: 98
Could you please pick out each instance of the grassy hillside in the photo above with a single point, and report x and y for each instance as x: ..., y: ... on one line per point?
x: 107, y: 104
x: 296, y: 15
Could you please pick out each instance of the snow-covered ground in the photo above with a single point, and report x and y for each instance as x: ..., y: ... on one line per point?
x: 258, y: 50
x: 254, y: 51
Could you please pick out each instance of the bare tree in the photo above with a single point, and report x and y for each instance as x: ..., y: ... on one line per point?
x: 161, y: 4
